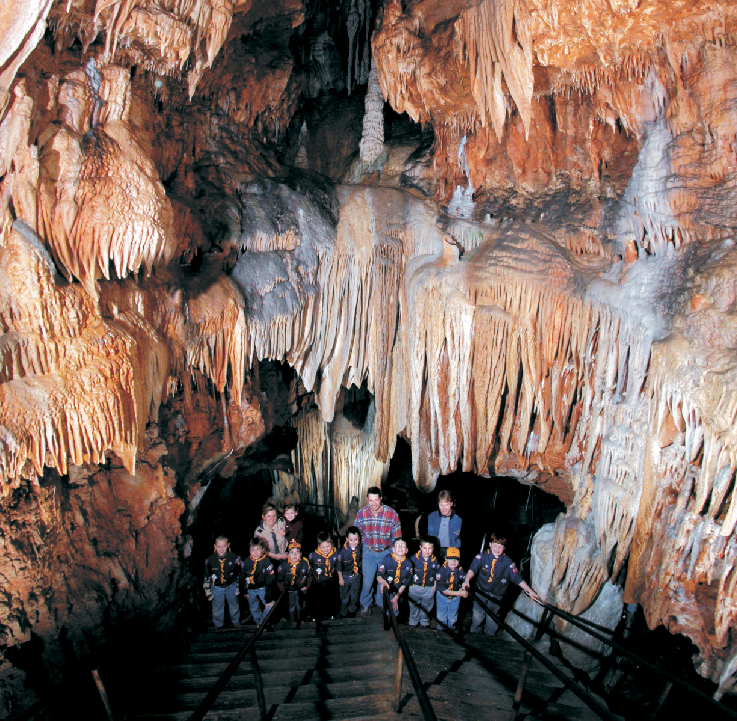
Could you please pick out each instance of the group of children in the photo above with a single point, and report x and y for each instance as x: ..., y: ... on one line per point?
x: 327, y: 583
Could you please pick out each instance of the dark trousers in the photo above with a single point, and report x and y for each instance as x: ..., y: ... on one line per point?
x: 324, y: 598
x: 349, y: 594
x: 296, y: 605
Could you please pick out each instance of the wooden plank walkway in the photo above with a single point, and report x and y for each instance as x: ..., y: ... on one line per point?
x: 346, y: 670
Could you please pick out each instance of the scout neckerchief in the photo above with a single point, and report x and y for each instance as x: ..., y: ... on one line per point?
x: 353, y: 551
x: 255, y: 563
x: 222, y: 568
x: 293, y: 568
x: 450, y: 580
x: 425, y: 561
x: 399, y: 567
x: 328, y: 572
x: 491, y: 572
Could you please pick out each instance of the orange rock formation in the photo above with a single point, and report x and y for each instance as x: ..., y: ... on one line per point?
x: 573, y: 329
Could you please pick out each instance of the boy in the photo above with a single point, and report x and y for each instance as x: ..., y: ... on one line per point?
x: 348, y: 568
x: 494, y: 570
x: 258, y: 574
x: 293, y: 524
x: 422, y: 590
x: 395, y: 574
x: 324, y: 592
x: 449, y: 589
x: 222, y: 572
x: 294, y: 574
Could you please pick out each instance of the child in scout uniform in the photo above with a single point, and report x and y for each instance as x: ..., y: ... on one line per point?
x: 222, y: 574
x: 422, y: 590
x: 494, y: 571
x: 449, y: 589
x: 395, y: 573
x: 258, y: 575
x: 324, y: 590
x: 294, y: 575
x: 350, y: 559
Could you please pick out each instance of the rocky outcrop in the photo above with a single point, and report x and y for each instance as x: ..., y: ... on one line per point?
x: 572, y: 329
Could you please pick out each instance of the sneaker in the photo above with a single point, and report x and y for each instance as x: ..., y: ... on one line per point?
x: 365, y: 611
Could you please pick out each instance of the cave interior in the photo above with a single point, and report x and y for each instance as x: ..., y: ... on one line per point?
x: 297, y: 248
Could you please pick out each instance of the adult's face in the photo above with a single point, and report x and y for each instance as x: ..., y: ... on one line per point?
x: 374, y: 503
x: 269, y: 518
x: 445, y: 507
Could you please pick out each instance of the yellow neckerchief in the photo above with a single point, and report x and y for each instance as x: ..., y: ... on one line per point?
x: 222, y: 568
x: 255, y: 563
x: 399, y: 566
x: 293, y: 568
x: 450, y: 580
x: 355, y: 560
x: 491, y: 572
x: 326, y: 557
x: 419, y: 556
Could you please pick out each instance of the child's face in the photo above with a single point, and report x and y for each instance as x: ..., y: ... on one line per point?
x: 326, y: 547
x: 221, y: 548
x: 496, y: 548
x: 427, y: 549
x: 294, y: 555
x: 256, y: 552
x: 353, y: 540
x: 400, y: 548
x: 289, y: 514
x: 452, y: 564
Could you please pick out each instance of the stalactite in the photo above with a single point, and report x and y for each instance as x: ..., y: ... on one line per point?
x: 372, y: 139
x: 495, y: 40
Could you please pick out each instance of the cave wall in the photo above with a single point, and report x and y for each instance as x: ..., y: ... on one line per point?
x: 573, y: 330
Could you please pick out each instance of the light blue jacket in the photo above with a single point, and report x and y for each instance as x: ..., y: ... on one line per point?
x: 454, y: 529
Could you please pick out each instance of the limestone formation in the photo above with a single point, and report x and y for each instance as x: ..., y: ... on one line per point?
x: 568, y: 322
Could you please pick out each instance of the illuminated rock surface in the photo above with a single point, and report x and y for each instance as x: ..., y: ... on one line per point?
x: 575, y: 332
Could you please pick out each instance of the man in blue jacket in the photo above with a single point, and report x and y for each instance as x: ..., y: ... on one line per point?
x: 494, y: 571
x: 444, y: 525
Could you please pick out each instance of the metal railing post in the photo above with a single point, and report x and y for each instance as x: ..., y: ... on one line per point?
x: 259, y: 684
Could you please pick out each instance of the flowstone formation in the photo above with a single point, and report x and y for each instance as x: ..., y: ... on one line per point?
x: 571, y: 327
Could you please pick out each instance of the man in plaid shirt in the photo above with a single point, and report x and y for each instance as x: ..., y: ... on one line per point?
x: 379, y: 526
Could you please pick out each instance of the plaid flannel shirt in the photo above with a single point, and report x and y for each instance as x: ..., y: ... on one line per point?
x: 378, y: 532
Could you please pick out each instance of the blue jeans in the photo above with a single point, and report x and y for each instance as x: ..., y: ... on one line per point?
x: 479, y: 615
x: 420, y: 604
x: 446, y: 609
x: 223, y: 594
x: 371, y: 562
x: 349, y: 593
x: 257, y: 603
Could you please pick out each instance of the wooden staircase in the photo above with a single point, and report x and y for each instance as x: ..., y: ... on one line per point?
x: 347, y: 670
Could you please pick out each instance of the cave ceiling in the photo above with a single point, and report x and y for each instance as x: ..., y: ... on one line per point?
x: 533, y: 274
